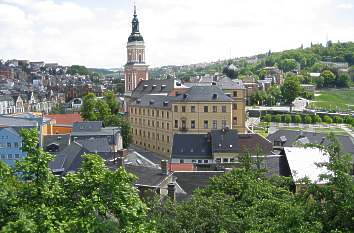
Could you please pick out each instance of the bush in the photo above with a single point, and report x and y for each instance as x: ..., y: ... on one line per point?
x: 308, y: 119
x: 348, y: 120
x: 297, y: 119
x: 327, y: 119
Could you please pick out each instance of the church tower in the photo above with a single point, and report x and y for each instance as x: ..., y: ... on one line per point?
x: 135, y: 70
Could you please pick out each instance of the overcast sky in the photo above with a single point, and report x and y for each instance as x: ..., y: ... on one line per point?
x: 94, y: 33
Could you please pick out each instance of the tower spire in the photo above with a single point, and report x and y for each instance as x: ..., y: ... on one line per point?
x: 135, y: 9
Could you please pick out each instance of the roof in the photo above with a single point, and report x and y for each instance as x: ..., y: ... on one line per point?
x: 302, y: 163
x: 18, y: 122
x: 191, y: 146
x: 154, y: 101
x: 292, y: 137
x: 250, y: 142
x: 95, y: 145
x: 62, y: 140
x: 204, y: 94
x: 10, y: 130
x: 153, y: 86
x: 225, y: 140
x: 66, y: 119
x: 190, y: 181
x: 87, y: 126
x: 181, y: 167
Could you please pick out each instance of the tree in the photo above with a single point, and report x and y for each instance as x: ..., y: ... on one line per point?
x: 316, y: 119
x: 267, y: 118
x: 112, y: 102
x: 287, y: 118
x: 88, y: 108
x: 288, y: 65
x: 291, y: 89
x: 102, y: 110
x: 343, y: 81
x: 297, y: 119
x: 308, y: 119
x: 94, y: 199
x: 338, y: 120
x: 327, y: 119
x: 78, y: 70
x: 329, y: 78
x: 277, y: 118
x: 348, y: 120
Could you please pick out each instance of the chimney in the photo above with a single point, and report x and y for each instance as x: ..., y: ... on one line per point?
x: 164, y: 167
x: 120, y: 162
x: 171, y: 191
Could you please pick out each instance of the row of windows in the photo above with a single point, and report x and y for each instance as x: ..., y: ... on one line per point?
x: 205, y: 161
x: 225, y: 160
x: 9, y: 145
x: 214, y: 124
x: 153, y: 147
x: 10, y: 156
x: 151, y: 123
x: 152, y: 135
x: 205, y: 108
x: 150, y: 112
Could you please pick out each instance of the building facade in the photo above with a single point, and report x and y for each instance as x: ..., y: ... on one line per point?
x: 10, y: 146
x: 135, y: 70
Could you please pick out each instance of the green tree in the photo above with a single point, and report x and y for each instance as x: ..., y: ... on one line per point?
x: 338, y: 120
x: 112, y: 102
x: 267, y: 118
x: 291, y: 89
x: 308, y: 119
x: 88, y: 108
x: 102, y: 109
x: 277, y: 118
x: 316, y: 119
x: 287, y: 118
x: 329, y: 78
x: 327, y: 119
x: 94, y: 199
x: 343, y: 81
x: 288, y: 65
x: 297, y: 119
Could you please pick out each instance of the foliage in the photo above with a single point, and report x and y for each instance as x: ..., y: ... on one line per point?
x: 316, y: 119
x: 267, y: 118
x: 277, y: 118
x: 308, y: 119
x: 287, y: 118
x: 327, y: 119
x: 329, y: 78
x: 94, y: 199
x: 297, y: 119
x: 288, y: 65
x: 338, y: 119
x: 107, y: 111
x: 291, y: 89
x: 78, y: 70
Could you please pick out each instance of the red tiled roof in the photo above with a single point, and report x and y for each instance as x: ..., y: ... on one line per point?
x: 181, y: 167
x: 66, y: 119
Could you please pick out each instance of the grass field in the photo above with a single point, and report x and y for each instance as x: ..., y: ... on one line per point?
x: 335, y: 131
x: 340, y: 100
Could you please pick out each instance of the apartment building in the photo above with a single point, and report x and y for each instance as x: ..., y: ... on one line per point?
x: 156, y: 118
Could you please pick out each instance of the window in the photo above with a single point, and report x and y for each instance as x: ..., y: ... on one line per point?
x: 157, y: 124
x: 234, y: 106
x: 148, y: 134
x: 167, y: 114
x: 153, y: 123
x: 218, y: 160
x: 205, y: 124
x: 148, y: 122
x: 152, y: 112
x: 163, y: 137
x: 223, y: 123
x: 175, y: 108
x: 9, y: 156
x: 163, y: 125
x: 215, y: 124
x: 215, y: 108
x: 235, y: 93
x: 223, y: 108
x: 3, y: 156
x: 192, y: 124
x: 144, y: 111
x: 194, y: 161
x: 144, y: 122
x: 200, y: 161
x: 168, y: 138
x: 162, y: 114
x: 157, y: 113
x: 192, y: 108
x: 148, y: 112
x: 9, y: 144
x: 176, y: 123
x: 225, y: 160
x: 206, y: 161
x: 234, y: 120
x: 232, y: 160
x: 16, y: 144
x: 168, y: 126
x: 181, y: 161
x: 17, y: 156
x: 139, y: 111
x: 205, y: 108
x: 183, y: 108
x: 158, y: 137
x: 184, y: 125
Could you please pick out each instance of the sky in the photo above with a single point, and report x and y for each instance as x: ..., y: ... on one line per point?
x: 176, y: 32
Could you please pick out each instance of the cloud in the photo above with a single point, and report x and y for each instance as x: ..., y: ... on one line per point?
x: 175, y: 31
x: 345, y: 6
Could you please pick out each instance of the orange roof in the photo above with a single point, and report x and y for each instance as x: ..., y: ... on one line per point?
x: 181, y: 167
x: 66, y: 119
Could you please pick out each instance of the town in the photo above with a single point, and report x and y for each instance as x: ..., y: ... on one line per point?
x: 251, y: 144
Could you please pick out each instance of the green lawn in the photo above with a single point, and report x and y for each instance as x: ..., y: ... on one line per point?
x: 335, y: 131
x: 334, y: 100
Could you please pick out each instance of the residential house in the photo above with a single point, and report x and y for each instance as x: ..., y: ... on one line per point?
x: 10, y: 145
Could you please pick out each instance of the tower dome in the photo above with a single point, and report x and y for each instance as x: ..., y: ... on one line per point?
x: 135, y: 35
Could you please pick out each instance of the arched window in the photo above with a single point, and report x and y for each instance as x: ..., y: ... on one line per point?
x: 140, y: 58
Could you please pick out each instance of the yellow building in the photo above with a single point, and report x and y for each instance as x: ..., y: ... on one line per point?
x: 156, y: 118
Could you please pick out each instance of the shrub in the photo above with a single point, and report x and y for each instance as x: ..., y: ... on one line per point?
x: 297, y: 119
x: 348, y: 120
x: 287, y: 118
x: 267, y: 118
x: 338, y: 120
x: 316, y: 119
x: 277, y: 118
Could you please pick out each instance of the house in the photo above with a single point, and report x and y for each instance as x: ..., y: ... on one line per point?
x: 10, y: 145
x: 63, y: 123
x: 6, y: 104
x: 94, y: 130
x: 300, y: 104
x: 218, y: 148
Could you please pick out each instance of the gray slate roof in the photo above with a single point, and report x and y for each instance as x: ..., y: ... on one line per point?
x: 204, y: 94
x: 87, y: 126
x: 292, y: 136
x: 155, y: 101
x: 62, y: 140
x: 191, y: 146
x: 225, y: 140
x: 153, y: 86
